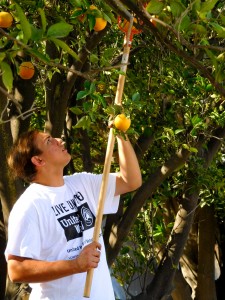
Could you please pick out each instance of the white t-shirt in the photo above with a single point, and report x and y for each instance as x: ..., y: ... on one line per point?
x: 55, y: 223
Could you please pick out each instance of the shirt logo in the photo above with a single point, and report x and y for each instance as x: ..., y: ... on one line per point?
x: 87, y: 216
x: 75, y: 223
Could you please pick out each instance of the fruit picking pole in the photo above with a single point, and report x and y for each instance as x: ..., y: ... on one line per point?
x: 109, y: 151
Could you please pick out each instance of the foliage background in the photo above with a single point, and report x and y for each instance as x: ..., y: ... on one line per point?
x: 169, y: 235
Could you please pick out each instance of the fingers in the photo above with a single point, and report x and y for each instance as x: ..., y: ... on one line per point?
x: 97, y: 245
x: 89, y: 257
x: 95, y: 254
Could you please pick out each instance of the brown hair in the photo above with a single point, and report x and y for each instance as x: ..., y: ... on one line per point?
x: 19, y: 158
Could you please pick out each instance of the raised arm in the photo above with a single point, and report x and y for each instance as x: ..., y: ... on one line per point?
x: 129, y: 177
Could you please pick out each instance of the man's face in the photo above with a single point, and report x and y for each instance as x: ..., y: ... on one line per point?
x: 53, y: 151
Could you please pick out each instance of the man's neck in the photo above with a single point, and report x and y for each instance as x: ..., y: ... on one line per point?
x: 54, y: 180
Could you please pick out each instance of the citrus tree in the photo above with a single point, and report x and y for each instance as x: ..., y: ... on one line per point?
x: 60, y: 64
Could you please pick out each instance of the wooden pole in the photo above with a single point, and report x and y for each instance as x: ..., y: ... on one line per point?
x: 108, y: 157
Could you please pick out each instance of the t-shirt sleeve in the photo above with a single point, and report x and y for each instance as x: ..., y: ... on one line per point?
x: 23, y: 234
x: 111, y: 202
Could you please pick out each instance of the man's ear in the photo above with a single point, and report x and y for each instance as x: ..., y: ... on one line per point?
x: 37, y: 161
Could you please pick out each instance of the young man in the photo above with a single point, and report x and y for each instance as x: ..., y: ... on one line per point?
x: 51, y: 224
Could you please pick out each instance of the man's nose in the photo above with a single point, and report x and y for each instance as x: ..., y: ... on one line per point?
x: 59, y: 141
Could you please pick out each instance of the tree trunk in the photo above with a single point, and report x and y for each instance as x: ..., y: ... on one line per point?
x: 182, y: 290
x: 162, y: 284
x: 206, y: 258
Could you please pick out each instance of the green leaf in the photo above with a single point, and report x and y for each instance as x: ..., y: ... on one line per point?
x: 82, y: 94
x: 43, y: 19
x: 2, y: 56
x: 208, y: 5
x: 185, y: 22
x: 220, y: 76
x: 197, y: 29
x: 177, y: 131
x: 197, y: 5
x: 59, y: 30
x: 36, y: 33
x: 25, y: 25
x: 84, y: 123
x: 176, y: 8
x: 219, y: 29
x: 91, y: 21
x: 212, y: 57
x: 92, y: 88
x: 194, y: 150
x: 76, y: 110
x: 185, y: 146
x: 94, y: 58
x: 78, y: 13
x: 96, y: 13
x: 65, y: 47
x: 87, y: 84
x: 136, y: 97
x: 125, y: 250
x: 107, y: 18
x: 77, y: 3
x: 7, y: 75
x: 154, y: 7
x: 222, y: 17
x: 196, y: 120
x: 39, y: 55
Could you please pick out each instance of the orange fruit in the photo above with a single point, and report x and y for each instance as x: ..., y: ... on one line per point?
x: 100, y: 23
x: 122, y: 123
x: 6, y: 19
x: 26, y: 70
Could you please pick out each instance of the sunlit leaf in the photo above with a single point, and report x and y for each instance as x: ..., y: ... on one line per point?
x: 39, y: 55
x: 7, y: 75
x: 208, y: 5
x: 59, y: 30
x: 64, y: 46
x: 154, y: 7
x: 194, y: 150
x: 2, y: 56
x: 25, y: 25
x: 177, y: 8
x: 219, y: 29
x: 76, y: 110
x: 43, y: 19
x: 195, y: 120
x: 177, y: 131
x: 106, y: 17
x: 184, y: 23
x: 84, y: 123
